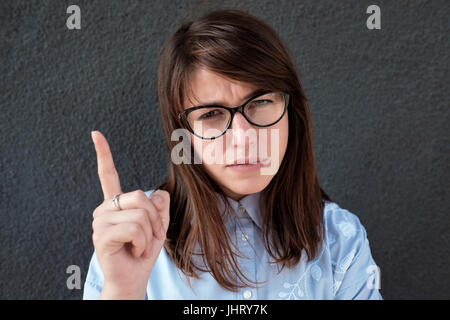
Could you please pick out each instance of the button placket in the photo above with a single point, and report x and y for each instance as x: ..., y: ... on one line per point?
x: 245, y: 226
x: 244, y: 236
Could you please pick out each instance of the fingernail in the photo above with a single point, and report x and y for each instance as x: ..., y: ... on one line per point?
x: 93, y: 136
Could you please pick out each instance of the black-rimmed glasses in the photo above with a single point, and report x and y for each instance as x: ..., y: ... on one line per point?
x: 212, y: 121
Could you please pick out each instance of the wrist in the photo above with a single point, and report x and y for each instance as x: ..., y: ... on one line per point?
x: 111, y: 292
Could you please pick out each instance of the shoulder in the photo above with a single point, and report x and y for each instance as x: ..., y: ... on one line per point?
x: 340, y: 224
x: 345, y: 236
x: 349, y: 251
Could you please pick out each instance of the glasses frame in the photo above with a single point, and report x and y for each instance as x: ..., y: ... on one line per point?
x: 232, y: 110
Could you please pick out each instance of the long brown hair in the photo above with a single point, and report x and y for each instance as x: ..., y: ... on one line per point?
x: 242, y: 47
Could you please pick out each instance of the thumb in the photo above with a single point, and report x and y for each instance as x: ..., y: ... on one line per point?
x: 161, y: 200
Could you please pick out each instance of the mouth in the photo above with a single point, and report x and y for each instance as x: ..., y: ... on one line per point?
x: 246, y: 162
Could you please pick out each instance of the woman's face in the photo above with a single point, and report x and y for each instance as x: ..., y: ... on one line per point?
x: 243, y: 142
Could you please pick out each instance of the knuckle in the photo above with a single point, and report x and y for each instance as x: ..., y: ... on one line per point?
x: 95, y: 213
x: 99, y: 210
x: 142, y: 196
x: 95, y: 238
x: 133, y: 229
x: 142, y: 216
x: 94, y: 224
x: 165, y: 194
x: 139, y: 195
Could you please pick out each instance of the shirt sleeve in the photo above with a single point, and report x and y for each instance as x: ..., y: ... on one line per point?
x: 94, y: 280
x: 357, y: 277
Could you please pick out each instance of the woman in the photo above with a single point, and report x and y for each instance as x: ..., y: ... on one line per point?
x: 248, y: 218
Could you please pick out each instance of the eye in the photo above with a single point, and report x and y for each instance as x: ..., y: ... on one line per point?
x: 262, y: 102
x: 210, y: 114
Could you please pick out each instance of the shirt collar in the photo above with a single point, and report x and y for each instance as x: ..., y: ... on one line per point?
x: 251, y: 204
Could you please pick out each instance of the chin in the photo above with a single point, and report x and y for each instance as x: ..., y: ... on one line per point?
x: 240, y: 183
x: 247, y: 185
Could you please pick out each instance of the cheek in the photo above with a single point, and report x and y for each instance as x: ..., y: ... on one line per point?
x: 206, y: 151
x: 277, y: 138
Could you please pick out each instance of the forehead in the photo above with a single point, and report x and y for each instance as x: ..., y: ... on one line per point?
x: 207, y: 87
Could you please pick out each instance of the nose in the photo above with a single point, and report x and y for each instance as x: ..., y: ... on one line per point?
x: 241, y: 130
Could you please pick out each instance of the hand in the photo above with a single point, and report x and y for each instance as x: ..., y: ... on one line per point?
x: 127, y: 241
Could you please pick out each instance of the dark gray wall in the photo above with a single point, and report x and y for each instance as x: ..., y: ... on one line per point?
x: 379, y: 100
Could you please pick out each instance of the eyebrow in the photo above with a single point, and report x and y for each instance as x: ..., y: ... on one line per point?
x: 221, y: 103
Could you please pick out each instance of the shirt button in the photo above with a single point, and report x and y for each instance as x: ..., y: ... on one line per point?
x: 247, y: 294
x: 241, y: 209
x: 244, y: 237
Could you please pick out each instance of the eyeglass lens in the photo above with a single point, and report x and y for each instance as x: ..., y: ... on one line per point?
x: 212, y: 121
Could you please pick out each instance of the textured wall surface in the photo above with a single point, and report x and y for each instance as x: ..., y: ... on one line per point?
x: 379, y: 101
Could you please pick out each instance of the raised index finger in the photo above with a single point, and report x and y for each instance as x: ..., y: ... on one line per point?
x: 109, y: 178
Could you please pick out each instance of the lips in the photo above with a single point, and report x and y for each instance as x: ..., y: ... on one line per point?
x: 246, y: 161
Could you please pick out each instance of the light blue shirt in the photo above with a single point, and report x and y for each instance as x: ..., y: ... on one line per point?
x: 343, y: 269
